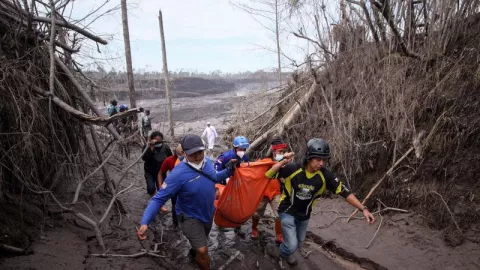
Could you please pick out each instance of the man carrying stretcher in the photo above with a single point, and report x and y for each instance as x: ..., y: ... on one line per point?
x: 271, y: 195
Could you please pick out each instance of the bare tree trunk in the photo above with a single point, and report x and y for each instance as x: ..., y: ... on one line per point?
x: 343, y: 27
x: 128, y: 54
x: 96, y: 142
x: 409, y: 25
x: 165, y: 73
x: 378, y: 21
x: 277, y: 35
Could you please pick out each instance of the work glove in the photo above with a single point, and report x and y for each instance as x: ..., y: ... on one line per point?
x: 231, y: 165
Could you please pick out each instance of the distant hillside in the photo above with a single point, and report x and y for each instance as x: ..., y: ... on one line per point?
x: 114, y: 85
x: 155, y: 88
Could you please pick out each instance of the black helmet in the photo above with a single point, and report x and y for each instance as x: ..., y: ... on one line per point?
x: 318, y: 148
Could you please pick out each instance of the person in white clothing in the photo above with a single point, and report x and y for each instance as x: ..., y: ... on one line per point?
x: 210, y: 133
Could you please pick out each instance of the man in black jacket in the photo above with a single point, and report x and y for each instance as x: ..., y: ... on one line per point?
x: 154, y: 156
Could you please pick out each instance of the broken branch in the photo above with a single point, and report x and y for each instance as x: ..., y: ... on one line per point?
x: 379, y: 182
x: 448, y: 209
x: 72, y: 27
x: 378, y: 229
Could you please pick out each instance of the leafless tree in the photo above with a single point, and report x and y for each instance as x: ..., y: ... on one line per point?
x: 166, y: 75
x: 128, y: 54
x: 269, y: 14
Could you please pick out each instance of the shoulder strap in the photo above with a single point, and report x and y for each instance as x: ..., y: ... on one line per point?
x: 202, y: 173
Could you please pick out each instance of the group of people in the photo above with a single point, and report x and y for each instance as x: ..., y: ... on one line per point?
x: 292, y: 192
x: 144, y: 119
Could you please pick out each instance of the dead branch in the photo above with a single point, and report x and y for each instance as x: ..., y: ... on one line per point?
x: 51, y: 81
x: 320, y: 45
x: 112, y: 201
x: 368, y: 19
x: 391, y: 209
x: 81, y: 216
x: 448, y: 209
x: 276, y: 104
x: 236, y: 255
x: 66, y: 47
x: 378, y: 22
x: 72, y: 27
x: 136, y: 255
x: 329, y: 106
x: 85, y: 96
x: 144, y: 252
x: 286, y: 121
x: 411, y: 149
x: 60, y: 23
x: 385, y: 10
x: 379, y: 182
x: 80, y: 184
x: 14, y: 250
x: 335, y: 219
x: 129, y: 167
x: 96, y: 143
x: 378, y: 229
x: 101, y: 121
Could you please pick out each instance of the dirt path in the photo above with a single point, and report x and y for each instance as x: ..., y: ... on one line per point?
x: 403, y: 242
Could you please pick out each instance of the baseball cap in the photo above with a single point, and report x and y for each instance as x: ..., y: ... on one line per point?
x: 192, y: 143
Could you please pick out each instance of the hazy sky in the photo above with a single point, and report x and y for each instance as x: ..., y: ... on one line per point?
x: 201, y: 35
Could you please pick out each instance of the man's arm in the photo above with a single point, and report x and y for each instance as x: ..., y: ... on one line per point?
x: 219, y: 164
x: 215, y: 132
x: 222, y: 175
x: 337, y: 187
x: 272, y: 172
x: 159, y: 179
x: 351, y: 199
x: 167, y: 165
x: 334, y: 184
x: 167, y: 191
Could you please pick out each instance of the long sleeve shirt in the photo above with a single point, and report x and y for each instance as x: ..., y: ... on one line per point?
x: 195, y: 192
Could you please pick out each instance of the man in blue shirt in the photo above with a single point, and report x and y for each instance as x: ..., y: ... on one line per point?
x: 240, y: 145
x: 193, y: 181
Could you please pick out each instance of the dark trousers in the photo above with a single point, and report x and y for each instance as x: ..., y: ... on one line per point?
x: 174, y: 211
x: 151, y: 182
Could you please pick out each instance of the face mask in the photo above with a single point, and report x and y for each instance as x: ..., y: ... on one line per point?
x: 278, y: 157
x: 158, y: 145
x: 240, y: 154
x: 198, y: 166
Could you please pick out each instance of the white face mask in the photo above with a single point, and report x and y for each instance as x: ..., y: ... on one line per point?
x: 278, y: 157
x: 240, y: 154
x: 198, y: 166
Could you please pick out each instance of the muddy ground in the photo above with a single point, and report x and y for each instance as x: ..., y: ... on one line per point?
x: 67, y: 243
x: 403, y: 241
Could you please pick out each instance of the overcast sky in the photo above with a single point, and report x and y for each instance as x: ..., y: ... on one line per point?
x: 203, y: 35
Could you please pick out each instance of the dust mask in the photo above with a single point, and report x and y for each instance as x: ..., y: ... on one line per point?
x: 240, y: 154
x: 196, y: 166
x: 278, y: 157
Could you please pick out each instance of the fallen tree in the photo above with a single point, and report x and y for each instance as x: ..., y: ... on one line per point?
x: 46, y: 123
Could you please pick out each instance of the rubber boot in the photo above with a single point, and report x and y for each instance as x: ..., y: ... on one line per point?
x: 278, y: 232
x: 254, y: 227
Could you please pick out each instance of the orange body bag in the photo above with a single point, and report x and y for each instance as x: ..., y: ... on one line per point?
x: 242, y: 194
